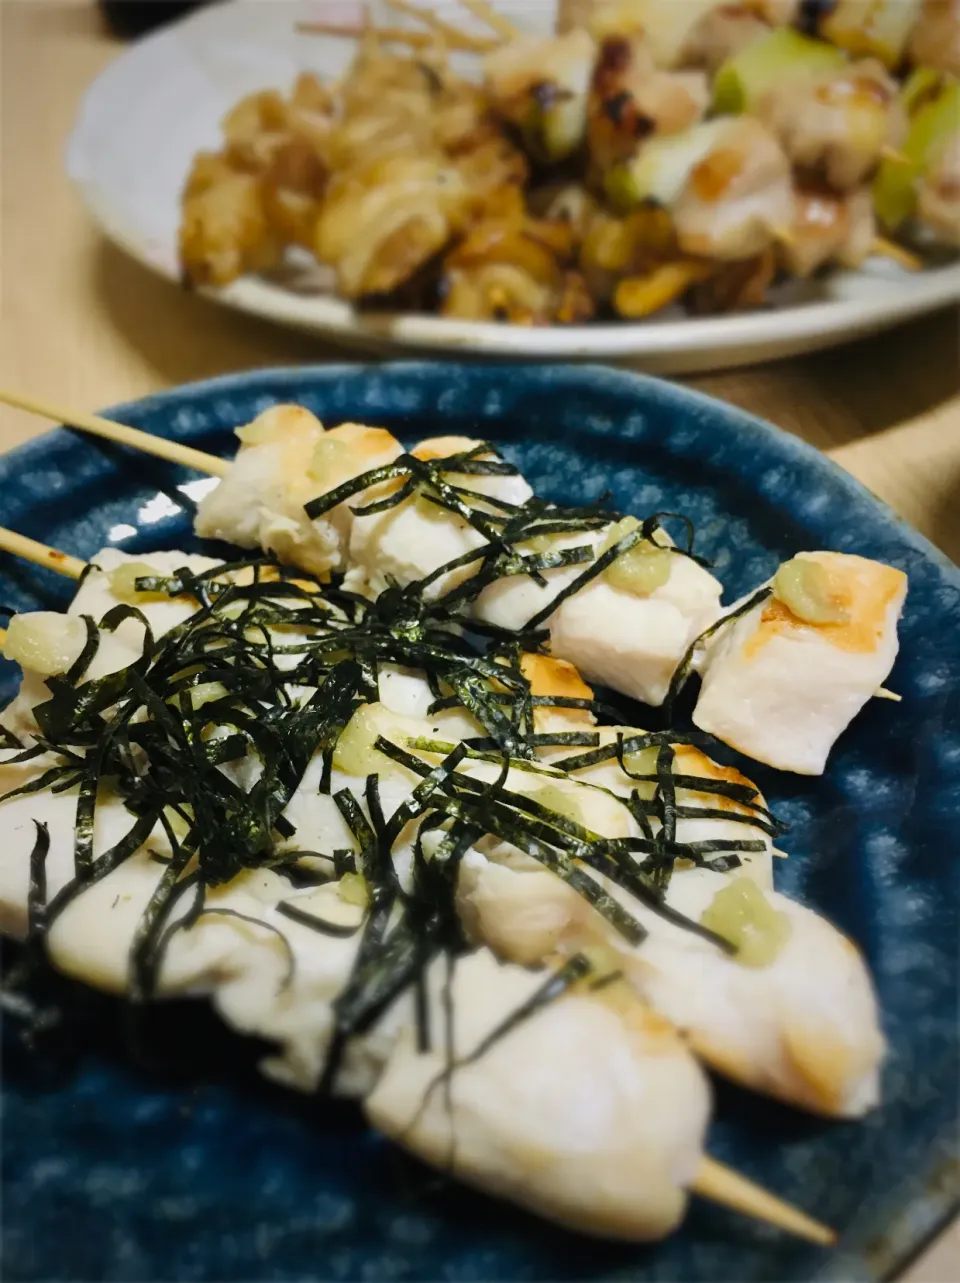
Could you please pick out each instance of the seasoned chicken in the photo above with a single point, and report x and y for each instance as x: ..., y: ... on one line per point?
x: 541, y: 87
x: 630, y: 99
x: 737, y: 197
x: 285, y: 459
x: 829, y: 228
x: 836, y: 124
x: 628, y: 628
x: 590, y: 1112
x: 935, y: 40
x: 794, y: 1016
x: 416, y: 537
x: 781, y: 682
x: 792, y: 1013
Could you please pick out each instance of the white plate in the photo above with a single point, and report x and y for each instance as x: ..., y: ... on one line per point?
x: 161, y: 101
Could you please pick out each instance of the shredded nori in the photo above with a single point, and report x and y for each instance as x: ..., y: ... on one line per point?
x: 294, y: 663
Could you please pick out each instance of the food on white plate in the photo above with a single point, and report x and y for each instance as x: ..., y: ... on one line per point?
x: 922, y: 189
x: 828, y: 227
x: 786, y: 677
x: 424, y: 190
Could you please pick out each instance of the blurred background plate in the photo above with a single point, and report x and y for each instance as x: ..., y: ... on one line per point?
x: 119, y: 1172
x: 162, y: 100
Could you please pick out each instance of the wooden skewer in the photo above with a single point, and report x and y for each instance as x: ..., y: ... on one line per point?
x: 496, y: 21
x: 896, y: 253
x: 446, y: 30
x: 723, y: 1185
x: 785, y: 236
x: 40, y: 554
x: 894, y: 157
x: 883, y: 693
x: 713, y: 1180
x: 400, y: 35
x: 172, y: 451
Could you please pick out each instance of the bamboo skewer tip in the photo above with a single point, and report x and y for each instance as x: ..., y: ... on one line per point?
x: 39, y: 554
x: 721, y: 1184
x: 904, y: 258
x: 161, y: 447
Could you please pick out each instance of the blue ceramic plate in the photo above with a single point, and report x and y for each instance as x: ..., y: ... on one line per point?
x: 120, y: 1171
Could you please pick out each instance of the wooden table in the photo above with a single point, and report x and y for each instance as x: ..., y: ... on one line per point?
x: 83, y: 325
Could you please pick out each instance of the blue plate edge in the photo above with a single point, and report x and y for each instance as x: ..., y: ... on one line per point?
x: 739, y: 419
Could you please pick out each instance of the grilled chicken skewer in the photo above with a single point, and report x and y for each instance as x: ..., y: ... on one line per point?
x: 654, y: 601
x: 283, y: 977
x: 769, y: 1020
x: 831, y: 623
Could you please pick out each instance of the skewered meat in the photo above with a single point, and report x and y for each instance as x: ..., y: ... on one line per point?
x: 225, y: 230
x: 935, y: 40
x: 783, y: 681
x: 541, y: 87
x: 829, y: 228
x: 630, y: 99
x: 285, y: 457
x: 412, y: 540
x: 837, y: 124
x: 559, y: 1114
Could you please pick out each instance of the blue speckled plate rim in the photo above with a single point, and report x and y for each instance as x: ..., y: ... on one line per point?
x: 916, y: 1220
x: 737, y: 420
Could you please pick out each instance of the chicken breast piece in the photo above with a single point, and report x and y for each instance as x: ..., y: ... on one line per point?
x: 590, y: 1112
x: 780, y: 687
x: 410, y: 541
x: 837, y: 124
x: 738, y: 196
x: 259, y: 984
x: 802, y: 1026
x: 285, y: 460
x: 541, y: 86
x: 45, y: 643
x: 629, y: 640
x: 829, y: 228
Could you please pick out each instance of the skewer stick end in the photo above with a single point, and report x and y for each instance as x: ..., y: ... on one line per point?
x: 885, y: 248
x: 723, y: 1185
x: 883, y: 693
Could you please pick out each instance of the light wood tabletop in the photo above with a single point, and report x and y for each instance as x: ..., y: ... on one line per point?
x: 83, y: 325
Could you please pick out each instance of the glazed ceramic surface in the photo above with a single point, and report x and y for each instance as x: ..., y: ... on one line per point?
x: 131, y: 151
x: 119, y: 1170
